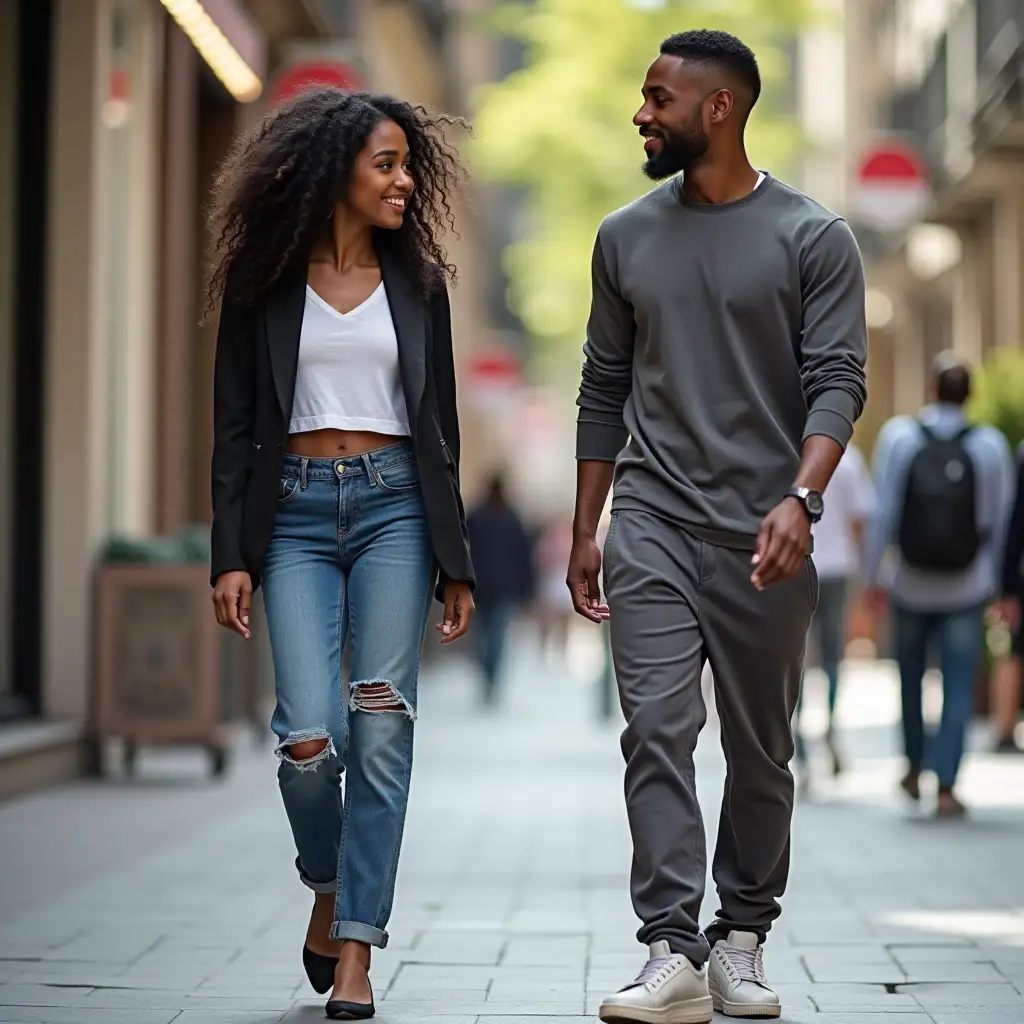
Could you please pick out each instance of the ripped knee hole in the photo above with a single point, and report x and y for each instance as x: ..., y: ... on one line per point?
x: 378, y: 695
x: 307, y: 750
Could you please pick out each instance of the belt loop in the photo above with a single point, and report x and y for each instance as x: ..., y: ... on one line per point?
x: 371, y: 472
x: 303, y: 478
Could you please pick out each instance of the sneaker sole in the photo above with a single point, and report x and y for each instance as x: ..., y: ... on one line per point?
x: 693, y: 1011
x: 749, y: 1010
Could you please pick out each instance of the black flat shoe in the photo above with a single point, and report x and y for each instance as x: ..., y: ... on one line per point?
x: 319, y: 970
x: 341, y: 1009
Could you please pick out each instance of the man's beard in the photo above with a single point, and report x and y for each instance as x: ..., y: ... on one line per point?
x: 679, y: 152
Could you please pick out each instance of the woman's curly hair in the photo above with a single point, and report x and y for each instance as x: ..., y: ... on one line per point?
x: 278, y: 186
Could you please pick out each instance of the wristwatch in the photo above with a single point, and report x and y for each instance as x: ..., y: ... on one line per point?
x: 812, y: 502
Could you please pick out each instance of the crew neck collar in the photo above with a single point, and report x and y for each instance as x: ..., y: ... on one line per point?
x: 714, y: 208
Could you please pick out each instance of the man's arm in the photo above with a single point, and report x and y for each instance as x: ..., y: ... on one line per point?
x: 606, y: 383
x: 833, y: 351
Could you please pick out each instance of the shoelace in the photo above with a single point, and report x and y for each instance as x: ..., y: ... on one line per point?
x: 746, y: 964
x: 652, y: 969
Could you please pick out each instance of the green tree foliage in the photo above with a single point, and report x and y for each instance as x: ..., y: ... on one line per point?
x: 561, y: 128
x: 998, y: 393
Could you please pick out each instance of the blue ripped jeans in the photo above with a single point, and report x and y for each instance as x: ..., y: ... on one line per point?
x: 350, y: 555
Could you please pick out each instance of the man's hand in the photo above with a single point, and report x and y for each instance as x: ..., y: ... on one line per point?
x: 458, y: 610
x: 782, y: 544
x: 582, y: 579
x: 232, y: 599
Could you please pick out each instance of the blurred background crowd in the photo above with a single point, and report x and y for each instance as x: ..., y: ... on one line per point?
x: 907, y: 116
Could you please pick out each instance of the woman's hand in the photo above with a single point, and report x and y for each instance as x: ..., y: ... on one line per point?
x: 458, y: 610
x: 232, y: 599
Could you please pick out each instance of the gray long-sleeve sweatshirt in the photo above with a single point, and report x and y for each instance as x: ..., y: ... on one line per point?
x: 720, y: 336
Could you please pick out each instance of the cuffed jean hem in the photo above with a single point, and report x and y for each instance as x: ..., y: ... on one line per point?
x: 318, y: 887
x: 357, y: 932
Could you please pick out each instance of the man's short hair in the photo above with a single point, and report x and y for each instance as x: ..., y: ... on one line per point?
x: 952, y: 376
x: 717, y: 49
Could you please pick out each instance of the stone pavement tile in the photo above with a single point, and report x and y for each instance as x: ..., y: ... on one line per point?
x: 156, y: 1000
x: 543, y: 950
x: 41, y: 995
x: 870, y: 1017
x: 854, y: 998
x: 229, y: 1017
x: 981, y: 974
x: 976, y: 1017
x: 967, y: 997
x: 491, y: 1018
x: 81, y: 1015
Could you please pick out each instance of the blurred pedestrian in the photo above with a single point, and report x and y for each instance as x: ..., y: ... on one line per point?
x: 554, y: 604
x: 724, y: 371
x: 335, y: 477
x: 504, y: 579
x: 1006, y: 675
x: 838, y: 539
x: 944, y: 492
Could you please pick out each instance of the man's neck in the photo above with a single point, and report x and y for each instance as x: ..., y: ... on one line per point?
x: 720, y: 182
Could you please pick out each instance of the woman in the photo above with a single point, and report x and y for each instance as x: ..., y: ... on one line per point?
x: 335, y: 477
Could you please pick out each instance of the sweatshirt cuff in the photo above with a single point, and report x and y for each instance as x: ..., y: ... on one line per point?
x: 832, y: 415
x: 599, y: 442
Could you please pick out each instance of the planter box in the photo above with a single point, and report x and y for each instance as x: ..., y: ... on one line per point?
x: 157, y: 659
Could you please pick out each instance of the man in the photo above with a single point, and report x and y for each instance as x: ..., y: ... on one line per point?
x: 726, y: 340
x: 944, y: 492
x: 838, y: 540
x: 503, y: 559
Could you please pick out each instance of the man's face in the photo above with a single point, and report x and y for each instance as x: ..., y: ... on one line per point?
x: 672, y: 118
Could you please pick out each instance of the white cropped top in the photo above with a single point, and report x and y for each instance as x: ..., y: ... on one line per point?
x: 348, y: 376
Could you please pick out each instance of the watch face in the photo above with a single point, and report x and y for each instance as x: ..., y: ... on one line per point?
x: 814, y: 504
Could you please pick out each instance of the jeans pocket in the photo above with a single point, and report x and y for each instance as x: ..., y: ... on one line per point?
x: 813, y: 585
x: 398, y: 477
x: 287, y: 489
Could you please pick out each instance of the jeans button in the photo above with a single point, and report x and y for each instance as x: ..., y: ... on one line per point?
x: 339, y: 468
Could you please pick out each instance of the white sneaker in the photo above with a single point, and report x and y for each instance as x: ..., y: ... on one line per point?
x: 669, y: 990
x: 736, y: 978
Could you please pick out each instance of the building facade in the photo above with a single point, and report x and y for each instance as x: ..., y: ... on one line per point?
x: 114, y: 115
x: 946, y: 77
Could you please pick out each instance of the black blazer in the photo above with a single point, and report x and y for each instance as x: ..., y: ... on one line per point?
x: 254, y: 383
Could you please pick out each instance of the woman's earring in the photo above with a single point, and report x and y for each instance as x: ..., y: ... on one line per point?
x: 330, y: 213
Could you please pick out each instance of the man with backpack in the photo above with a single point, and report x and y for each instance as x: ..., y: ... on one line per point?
x: 944, y: 493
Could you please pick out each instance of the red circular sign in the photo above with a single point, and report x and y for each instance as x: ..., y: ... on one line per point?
x: 891, y: 161
x: 311, y: 73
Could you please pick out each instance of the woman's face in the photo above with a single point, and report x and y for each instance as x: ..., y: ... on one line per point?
x: 381, y: 184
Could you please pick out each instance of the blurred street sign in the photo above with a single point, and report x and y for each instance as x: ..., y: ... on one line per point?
x: 891, y: 188
x: 312, y: 71
x: 495, y: 376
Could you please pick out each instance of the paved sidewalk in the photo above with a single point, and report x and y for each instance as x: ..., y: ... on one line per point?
x: 172, y: 899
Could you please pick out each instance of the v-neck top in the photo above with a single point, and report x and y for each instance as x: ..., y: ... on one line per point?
x: 348, y: 373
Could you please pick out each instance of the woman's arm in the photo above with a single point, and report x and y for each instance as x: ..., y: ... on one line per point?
x: 233, y: 414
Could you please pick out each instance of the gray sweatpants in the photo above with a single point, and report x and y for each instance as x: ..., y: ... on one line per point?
x: 677, y: 602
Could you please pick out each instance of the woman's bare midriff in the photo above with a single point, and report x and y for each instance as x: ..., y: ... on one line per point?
x: 332, y: 444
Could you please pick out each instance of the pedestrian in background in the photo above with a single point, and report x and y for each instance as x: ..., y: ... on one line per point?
x: 335, y: 477
x: 504, y: 579
x: 1006, y: 676
x: 944, y: 492
x: 723, y: 373
x: 838, y: 547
